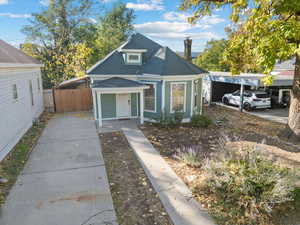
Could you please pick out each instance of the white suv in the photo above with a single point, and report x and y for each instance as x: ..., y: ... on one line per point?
x: 252, y: 99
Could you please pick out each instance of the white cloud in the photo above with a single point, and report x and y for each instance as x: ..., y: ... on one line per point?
x: 146, y: 5
x: 206, y: 20
x: 164, y: 26
x: 45, y: 2
x: 93, y: 20
x: 183, y: 35
x: 3, y: 2
x: 174, y: 32
x: 15, y: 16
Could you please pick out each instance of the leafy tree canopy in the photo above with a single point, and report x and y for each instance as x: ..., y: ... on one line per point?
x: 113, y: 29
x: 211, y: 58
x: 270, y: 30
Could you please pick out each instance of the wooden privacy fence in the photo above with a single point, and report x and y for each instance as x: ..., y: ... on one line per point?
x: 72, y: 100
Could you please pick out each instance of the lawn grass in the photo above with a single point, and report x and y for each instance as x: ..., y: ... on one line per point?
x: 13, y: 164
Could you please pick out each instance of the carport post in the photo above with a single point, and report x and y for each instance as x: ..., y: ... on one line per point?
x: 242, y: 97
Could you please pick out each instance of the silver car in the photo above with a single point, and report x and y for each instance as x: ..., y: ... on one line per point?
x: 252, y: 100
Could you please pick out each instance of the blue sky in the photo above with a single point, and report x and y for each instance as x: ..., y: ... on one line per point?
x: 158, y: 19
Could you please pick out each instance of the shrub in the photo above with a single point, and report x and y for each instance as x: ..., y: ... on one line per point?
x: 201, y: 120
x: 247, y: 186
x: 169, y: 121
x: 190, y: 155
x: 178, y: 117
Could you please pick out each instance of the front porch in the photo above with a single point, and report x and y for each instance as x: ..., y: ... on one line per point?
x: 117, y: 98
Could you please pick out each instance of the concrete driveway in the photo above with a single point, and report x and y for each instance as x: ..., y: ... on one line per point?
x: 279, y: 115
x: 64, y: 181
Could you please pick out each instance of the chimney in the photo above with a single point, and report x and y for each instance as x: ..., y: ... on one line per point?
x: 188, y: 49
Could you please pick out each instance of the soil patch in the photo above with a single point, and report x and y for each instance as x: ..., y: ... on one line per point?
x: 135, y: 200
x: 232, y: 126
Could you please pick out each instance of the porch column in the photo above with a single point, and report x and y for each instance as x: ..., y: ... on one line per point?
x: 98, y: 99
x: 94, y: 104
x: 142, y: 107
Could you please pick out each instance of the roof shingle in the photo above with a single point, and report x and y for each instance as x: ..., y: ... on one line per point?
x: 157, y: 60
x: 10, y: 54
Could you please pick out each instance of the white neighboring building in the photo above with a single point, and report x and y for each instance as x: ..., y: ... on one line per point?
x: 21, y: 95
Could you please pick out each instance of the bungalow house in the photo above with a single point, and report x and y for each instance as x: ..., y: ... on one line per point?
x: 21, y: 95
x: 142, y: 79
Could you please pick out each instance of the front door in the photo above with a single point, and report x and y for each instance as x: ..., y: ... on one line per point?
x: 123, y: 105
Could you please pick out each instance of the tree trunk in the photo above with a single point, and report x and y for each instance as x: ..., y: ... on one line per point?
x: 294, y: 111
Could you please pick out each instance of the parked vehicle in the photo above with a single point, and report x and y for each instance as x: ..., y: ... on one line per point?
x: 251, y: 99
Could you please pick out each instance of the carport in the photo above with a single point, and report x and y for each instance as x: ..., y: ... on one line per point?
x: 216, y: 84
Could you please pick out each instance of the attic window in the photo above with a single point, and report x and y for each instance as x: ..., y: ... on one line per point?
x: 134, y: 58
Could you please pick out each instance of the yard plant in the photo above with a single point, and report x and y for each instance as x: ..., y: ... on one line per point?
x: 201, y: 120
x: 246, y: 187
x: 189, y: 155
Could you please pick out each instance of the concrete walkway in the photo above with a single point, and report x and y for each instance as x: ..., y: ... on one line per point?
x: 174, y: 194
x: 64, y: 181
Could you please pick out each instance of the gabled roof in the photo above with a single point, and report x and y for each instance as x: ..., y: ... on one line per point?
x: 116, y: 82
x: 157, y: 60
x: 12, y: 55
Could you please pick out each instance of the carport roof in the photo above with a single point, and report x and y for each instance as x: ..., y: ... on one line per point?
x: 117, y: 82
x: 251, y: 79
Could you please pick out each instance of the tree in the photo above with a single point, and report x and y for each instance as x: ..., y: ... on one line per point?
x: 114, y: 28
x: 54, y: 30
x: 269, y: 31
x: 212, y: 57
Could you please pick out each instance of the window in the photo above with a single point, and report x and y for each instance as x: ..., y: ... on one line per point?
x: 39, y: 84
x: 31, y: 92
x: 15, y: 91
x: 149, y: 98
x: 134, y: 58
x: 178, y: 93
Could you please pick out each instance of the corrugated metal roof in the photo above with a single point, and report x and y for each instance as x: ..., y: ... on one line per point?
x: 285, y: 65
x: 116, y: 82
x: 157, y: 60
x: 12, y: 55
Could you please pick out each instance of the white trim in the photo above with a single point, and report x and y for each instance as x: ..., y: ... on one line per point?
x: 171, y: 96
x: 94, y: 103
x: 129, y: 62
x: 155, y: 94
x: 120, y: 90
x: 163, y: 85
x: 142, y: 107
x: 150, y: 76
x: 137, y: 104
x: 119, y: 118
x: 99, y: 110
x: 182, y: 77
x: 133, y: 50
x: 185, y: 120
x: 192, y: 98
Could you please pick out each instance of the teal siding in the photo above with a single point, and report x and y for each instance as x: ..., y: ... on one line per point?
x: 108, y: 105
x: 155, y: 115
x: 187, y: 112
x: 134, y: 104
